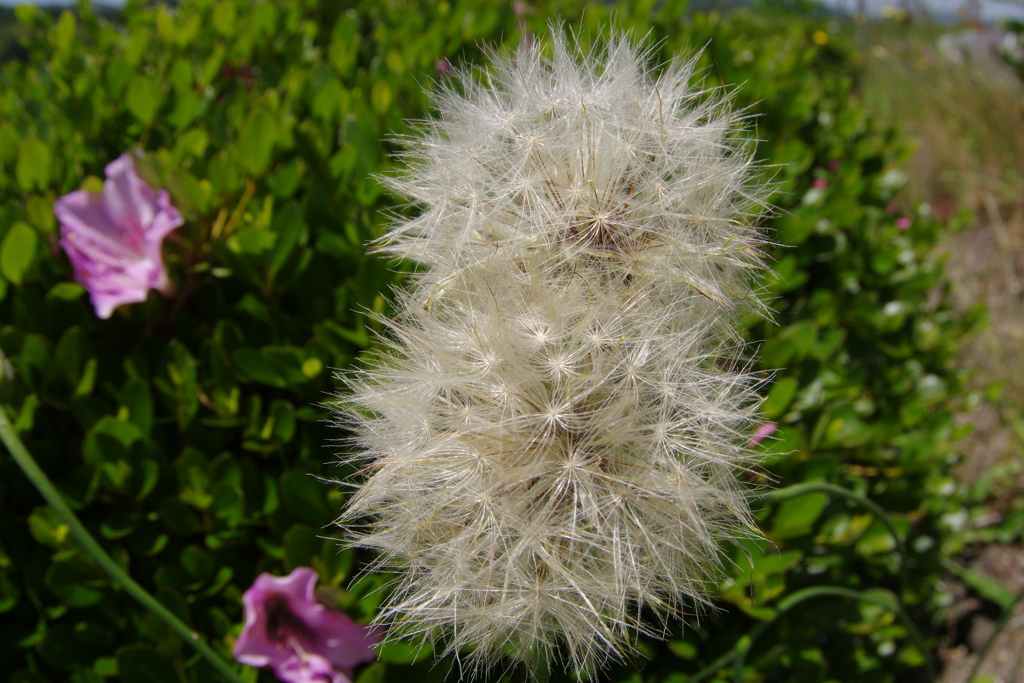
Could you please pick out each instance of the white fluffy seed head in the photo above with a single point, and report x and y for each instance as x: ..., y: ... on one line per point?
x: 552, y: 433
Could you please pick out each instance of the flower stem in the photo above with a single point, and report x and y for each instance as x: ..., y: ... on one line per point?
x: 43, y: 484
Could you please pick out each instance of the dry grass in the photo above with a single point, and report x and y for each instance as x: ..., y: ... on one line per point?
x: 966, y: 117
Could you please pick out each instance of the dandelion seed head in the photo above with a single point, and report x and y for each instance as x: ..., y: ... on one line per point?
x: 554, y: 427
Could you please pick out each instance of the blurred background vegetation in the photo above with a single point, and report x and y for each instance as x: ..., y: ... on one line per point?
x: 183, y: 431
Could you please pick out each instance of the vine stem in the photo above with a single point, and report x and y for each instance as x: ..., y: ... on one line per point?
x: 747, y: 642
x: 823, y: 487
x: 49, y: 492
x: 1000, y: 625
x: 738, y: 653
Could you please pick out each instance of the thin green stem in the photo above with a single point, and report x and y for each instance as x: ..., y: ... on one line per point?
x: 42, y: 483
x: 1000, y: 625
x: 822, y: 487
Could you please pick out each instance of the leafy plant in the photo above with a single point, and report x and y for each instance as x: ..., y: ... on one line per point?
x: 186, y: 435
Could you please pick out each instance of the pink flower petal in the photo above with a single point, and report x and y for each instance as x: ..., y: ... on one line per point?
x: 125, y: 196
x: 309, y: 668
x: 114, y: 239
x: 283, y: 620
x: 762, y: 433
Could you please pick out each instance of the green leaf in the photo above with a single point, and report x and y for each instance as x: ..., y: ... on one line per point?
x: 8, y: 142
x: 137, y: 401
x: 288, y: 225
x: 184, y: 110
x: 76, y: 585
x: 252, y: 242
x: 179, y: 383
x: 17, y: 252
x: 63, y: 35
x: 285, y: 181
x: 47, y: 528
x: 842, y: 427
x: 301, y: 544
x: 145, y: 478
x: 197, y: 563
x: 876, y: 540
x: 143, y: 98
x: 227, y: 503
x: 224, y: 15
x: 283, y: 414
x: 222, y: 172
x: 173, y: 601
x: 141, y: 664
x: 190, y: 194
x: 306, y: 498
x: 9, y: 591
x: 33, y: 167
x: 117, y: 76
x: 344, y: 45
x: 381, y: 96
x: 119, y: 524
x: 374, y: 673
x: 109, y: 439
x: 286, y: 363
x: 179, y: 517
x: 254, y: 367
x: 403, y: 652
x: 796, y: 516
x: 327, y: 99
x: 64, y: 648
x: 66, y: 291
x: 779, y: 398
x: 39, y: 210
x: 74, y: 367
x: 256, y: 142
x: 791, y: 344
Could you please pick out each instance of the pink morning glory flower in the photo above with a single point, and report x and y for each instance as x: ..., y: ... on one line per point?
x: 114, y: 237
x: 309, y: 668
x: 300, y: 639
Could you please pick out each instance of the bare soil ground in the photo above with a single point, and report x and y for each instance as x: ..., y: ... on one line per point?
x: 986, y: 264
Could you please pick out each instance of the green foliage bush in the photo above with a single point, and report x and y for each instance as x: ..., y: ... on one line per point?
x: 187, y: 432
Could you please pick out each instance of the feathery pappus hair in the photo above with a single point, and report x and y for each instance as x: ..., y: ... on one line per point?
x: 550, y: 439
